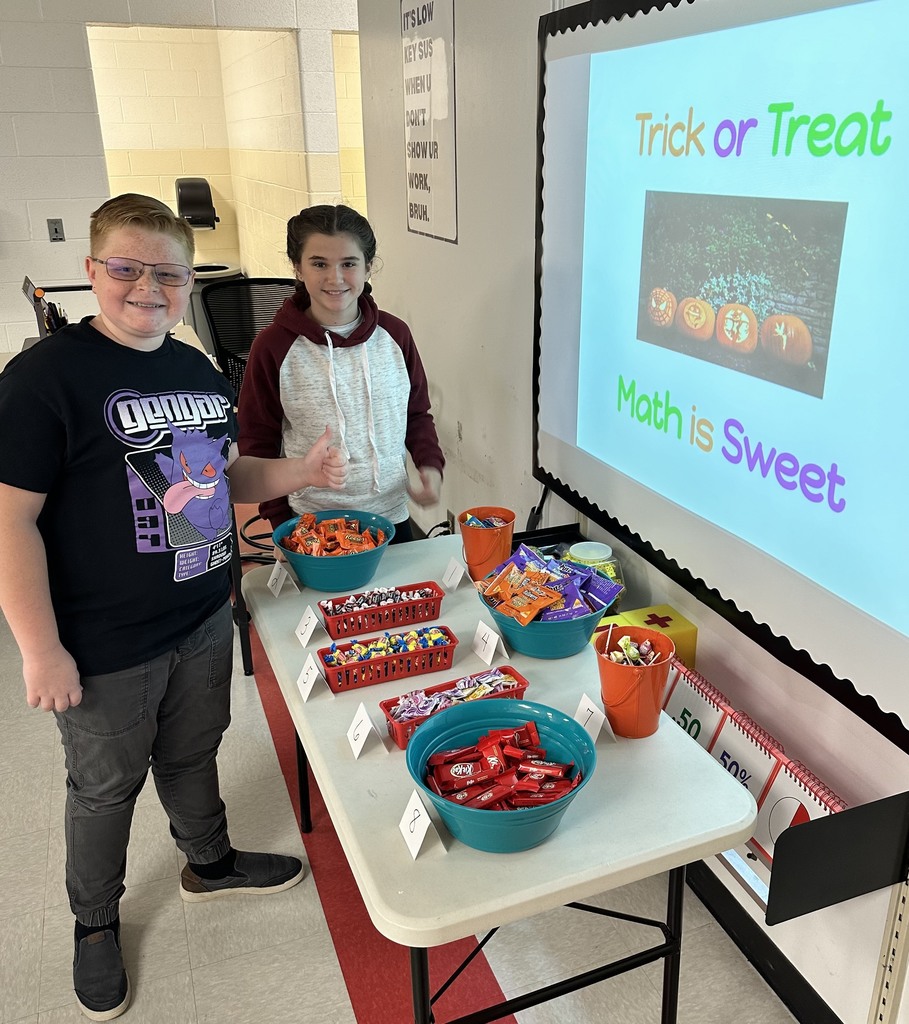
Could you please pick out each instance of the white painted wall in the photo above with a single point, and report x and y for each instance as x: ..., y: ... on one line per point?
x: 51, y: 153
x: 470, y: 307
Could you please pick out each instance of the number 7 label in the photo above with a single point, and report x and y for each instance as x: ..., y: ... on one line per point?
x: 590, y: 716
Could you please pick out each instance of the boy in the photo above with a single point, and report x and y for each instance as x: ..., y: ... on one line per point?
x: 118, y: 444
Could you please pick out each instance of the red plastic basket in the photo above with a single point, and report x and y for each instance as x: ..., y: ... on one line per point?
x: 400, y: 615
x: 383, y: 669
x: 401, y: 732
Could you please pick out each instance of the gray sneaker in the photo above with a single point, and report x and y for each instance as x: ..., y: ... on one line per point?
x: 99, y: 978
x: 254, y: 874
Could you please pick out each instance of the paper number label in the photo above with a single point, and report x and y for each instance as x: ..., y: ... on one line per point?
x: 590, y: 715
x: 307, y: 678
x: 277, y: 579
x: 359, y: 730
x: 485, y: 642
x: 453, y: 575
x: 306, y: 626
x: 414, y: 824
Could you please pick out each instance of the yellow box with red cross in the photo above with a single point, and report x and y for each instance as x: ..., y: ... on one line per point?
x: 662, y: 617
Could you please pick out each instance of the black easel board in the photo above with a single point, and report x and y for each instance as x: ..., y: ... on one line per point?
x: 835, y: 858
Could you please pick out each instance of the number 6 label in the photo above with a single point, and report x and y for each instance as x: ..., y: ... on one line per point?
x: 359, y: 730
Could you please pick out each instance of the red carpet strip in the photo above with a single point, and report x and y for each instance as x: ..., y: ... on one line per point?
x: 376, y: 970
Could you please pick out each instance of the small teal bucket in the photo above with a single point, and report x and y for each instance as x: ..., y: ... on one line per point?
x: 337, y: 573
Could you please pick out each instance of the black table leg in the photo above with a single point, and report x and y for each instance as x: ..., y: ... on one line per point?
x: 419, y: 980
x: 673, y: 962
x: 303, y: 786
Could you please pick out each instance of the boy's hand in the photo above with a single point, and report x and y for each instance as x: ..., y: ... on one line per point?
x: 427, y: 492
x: 326, y: 464
x: 52, y: 681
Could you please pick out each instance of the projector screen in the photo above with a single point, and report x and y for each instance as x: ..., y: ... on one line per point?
x: 720, y: 364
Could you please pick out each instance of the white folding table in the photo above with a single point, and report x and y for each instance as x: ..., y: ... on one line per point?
x: 652, y: 805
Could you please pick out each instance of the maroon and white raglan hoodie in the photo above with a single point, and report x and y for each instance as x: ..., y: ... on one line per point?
x: 370, y: 388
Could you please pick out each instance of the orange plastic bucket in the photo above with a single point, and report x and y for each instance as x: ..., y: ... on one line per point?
x: 485, y: 547
x: 633, y: 694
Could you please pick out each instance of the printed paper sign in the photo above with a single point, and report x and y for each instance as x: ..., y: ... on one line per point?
x: 428, y: 58
x: 486, y: 641
x: 415, y: 823
x: 453, y: 575
x: 590, y: 715
x: 307, y: 678
x: 306, y: 625
x: 360, y: 728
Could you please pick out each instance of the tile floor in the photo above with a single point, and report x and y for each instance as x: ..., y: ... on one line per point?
x: 271, y: 961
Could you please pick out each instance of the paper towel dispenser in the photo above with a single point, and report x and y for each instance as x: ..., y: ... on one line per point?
x: 194, y: 203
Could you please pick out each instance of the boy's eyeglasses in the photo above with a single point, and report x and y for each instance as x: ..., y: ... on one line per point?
x: 173, y: 275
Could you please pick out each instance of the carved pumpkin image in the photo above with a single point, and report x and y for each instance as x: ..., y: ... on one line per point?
x: 696, y: 318
x: 737, y: 327
x: 661, y: 307
x: 786, y: 337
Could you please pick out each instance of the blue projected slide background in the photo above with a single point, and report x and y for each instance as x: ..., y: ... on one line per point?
x: 773, y: 205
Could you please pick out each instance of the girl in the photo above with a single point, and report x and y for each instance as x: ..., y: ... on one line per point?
x: 332, y: 356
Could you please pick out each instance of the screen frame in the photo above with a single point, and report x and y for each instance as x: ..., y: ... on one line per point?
x: 592, y: 14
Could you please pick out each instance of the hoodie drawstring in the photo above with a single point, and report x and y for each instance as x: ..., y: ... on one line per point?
x: 342, y: 421
x: 370, y: 421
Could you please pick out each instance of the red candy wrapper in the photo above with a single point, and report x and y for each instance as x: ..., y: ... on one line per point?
x: 461, y: 774
x: 492, y: 756
x: 552, y: 768
x: 460, y: 754
x: 506, y: 769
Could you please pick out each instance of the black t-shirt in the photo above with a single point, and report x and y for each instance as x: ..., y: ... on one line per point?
x: 130, y: 448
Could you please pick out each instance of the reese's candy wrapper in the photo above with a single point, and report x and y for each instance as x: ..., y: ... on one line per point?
x: 350, y: 541
x: 506, y: 582
x: 337, y: 536
x: 310, y: 544
x: 328, y: 526
x: 525, y: 604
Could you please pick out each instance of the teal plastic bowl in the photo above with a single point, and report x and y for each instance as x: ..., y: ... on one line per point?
x: 545, y: 639
x: 460, y: 726
x: 337, y: 573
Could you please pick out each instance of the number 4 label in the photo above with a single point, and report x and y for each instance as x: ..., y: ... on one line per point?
x: 486, y: 641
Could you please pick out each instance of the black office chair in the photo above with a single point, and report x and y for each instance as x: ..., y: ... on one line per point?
x: 236, y: 311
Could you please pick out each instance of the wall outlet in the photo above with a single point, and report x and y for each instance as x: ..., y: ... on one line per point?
x: 55, y: 230
x: 451, y: 521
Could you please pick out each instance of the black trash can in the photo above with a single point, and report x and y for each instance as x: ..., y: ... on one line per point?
x: 206, y: 273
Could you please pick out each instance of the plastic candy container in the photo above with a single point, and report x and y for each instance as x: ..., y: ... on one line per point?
x: 502, y: 831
